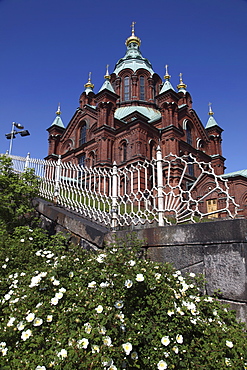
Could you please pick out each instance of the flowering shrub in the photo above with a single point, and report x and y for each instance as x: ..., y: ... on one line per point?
x: 65, y: 308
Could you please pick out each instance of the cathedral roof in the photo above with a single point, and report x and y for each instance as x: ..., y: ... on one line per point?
x: 150, y: 113
x: 133, y: 58
x: 58, y: 120
x: 236, y: 173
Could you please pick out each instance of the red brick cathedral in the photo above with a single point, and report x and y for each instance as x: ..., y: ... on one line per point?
x: 133, y: 113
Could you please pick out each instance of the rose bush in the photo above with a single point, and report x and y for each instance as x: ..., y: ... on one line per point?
x: 66, y: 308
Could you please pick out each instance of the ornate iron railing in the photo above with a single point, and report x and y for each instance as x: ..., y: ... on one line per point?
x: 163, y: 191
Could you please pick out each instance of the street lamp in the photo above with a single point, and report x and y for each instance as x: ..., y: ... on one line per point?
x: 13, y: 132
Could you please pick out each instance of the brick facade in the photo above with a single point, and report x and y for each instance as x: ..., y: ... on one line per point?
x: 133, y: 113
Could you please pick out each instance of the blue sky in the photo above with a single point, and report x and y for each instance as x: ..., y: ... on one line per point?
x: 48, y: 47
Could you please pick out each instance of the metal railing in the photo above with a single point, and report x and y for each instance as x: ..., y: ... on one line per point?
x: 163, y: 191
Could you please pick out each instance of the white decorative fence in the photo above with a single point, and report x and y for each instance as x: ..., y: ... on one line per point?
x: 163, y: 191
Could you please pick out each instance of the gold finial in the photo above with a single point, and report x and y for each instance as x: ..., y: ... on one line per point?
x: 133, y: 37
x: 210, y: 113
x: 89, y: 83
x: 181, y: 84
x: 167, y: 76
x: 58, y: 112
x: 107, y: 76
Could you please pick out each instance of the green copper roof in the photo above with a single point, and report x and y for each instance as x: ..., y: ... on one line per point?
x: 133, y: 59
x: 150, y: 113
x: 58, y: 122
x: 211, y: 122
x: 167, y: 86
x: 107, y: 85
x: 236, y: 173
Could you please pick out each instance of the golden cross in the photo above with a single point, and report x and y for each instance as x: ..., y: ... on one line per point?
x: 133, y: 28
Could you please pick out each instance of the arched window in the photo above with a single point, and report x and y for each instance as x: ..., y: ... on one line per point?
x: 126, y: 88
x: 188, y: 134
x: 142, y: 88
x: 124, y: 147
x: 82, y: 137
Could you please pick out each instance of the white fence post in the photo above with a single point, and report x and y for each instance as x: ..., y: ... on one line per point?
x: 160, y: 186
x: 27, y: 161
x: 57, y: 179
x: 114, y: 220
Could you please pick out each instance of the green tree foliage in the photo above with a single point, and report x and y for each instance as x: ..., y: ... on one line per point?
x: 17, y: 192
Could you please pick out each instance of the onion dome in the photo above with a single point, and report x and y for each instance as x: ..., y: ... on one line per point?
x: 89, y: 85
x: 133, y: 37
x: 133, y: 58
x: 181, y: 86
x: 167, y: 85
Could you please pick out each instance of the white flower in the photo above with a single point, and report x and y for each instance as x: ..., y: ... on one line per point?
x: 228, y: 362
x: 107, y: 341
x: 92, y: 284
x: 99, y: 308
x: 95, y: 348
x: 30, y: 238
x: 112, y: 367
x: 22, y: 240
x: 162, y: 365
x: 4, y: 266
x: 229, y: 343
x: 132, y: 263
x: 62, y: 290
x: 39, y: 305
x: 165, y: 340
x: 63, y: 353
x: 30, y: 317
x: 40, y: 367
x: 175, y: 349
x: 71, y: 274
x: 100, y: 258
x: 49, y: 318
x: 102, y: 330
x: 82, y: 343
x: 59, y: 295
x: 139, y: 277
x: 26, y: 334
x: 4, y: 351
x: 134, y: 356
x: 54, y: 301
x: 127, y: 348
x: 192, y: 274
x: 104, y: 284
x: 11, y: 321
x: 179, y: 338
x: 37, y: 321
x: 38, y: 253
x: 88, y: 327
x: 56, y: 282
x: 170, y: 312
x: 128, y: 283
x: 21, y: 326
x: 157, y: 276
x: 119, y: 304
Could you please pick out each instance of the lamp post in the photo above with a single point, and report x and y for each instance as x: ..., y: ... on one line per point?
x: 13, y: 132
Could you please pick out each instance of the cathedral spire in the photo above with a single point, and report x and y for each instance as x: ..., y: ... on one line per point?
x: 167, y: 85
x: 107, y: 84
x: 58, y: 120
x: 211, y: 121
x: 89, y: 85
x: 181, y: 86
